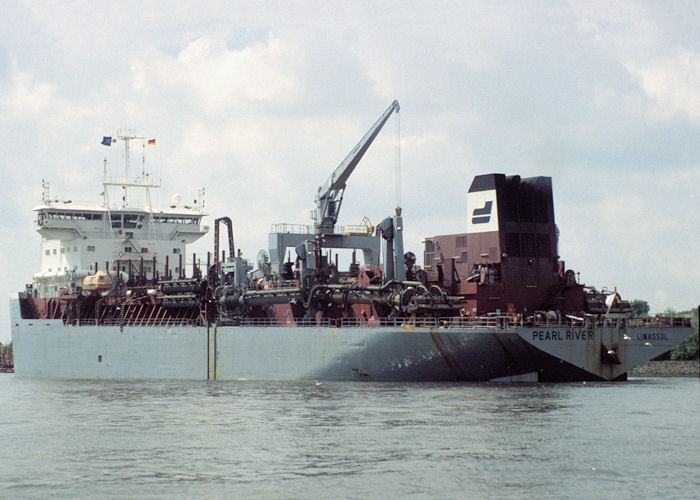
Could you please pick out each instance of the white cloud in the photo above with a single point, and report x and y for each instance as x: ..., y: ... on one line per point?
x: 673, y: 84
x: 216, y: 80
x: 634, y: 231
x: 26, y: 96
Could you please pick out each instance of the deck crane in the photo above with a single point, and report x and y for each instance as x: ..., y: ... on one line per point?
x: 328, y: 201
x: 330, y: 195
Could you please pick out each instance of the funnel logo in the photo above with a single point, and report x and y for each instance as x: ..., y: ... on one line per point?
x: 482, y: 215
x: 482, y: 211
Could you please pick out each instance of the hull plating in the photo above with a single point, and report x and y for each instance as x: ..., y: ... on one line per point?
x: 48, y: 348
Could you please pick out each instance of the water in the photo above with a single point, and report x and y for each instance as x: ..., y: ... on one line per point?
x: 78, y: 439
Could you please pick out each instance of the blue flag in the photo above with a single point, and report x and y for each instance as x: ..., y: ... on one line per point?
x: 107, y: 141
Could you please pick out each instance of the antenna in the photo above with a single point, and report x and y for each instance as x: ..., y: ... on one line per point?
x: 127, y: 136
x: 144, y: 182
x: 45, y: 192
x: 200, y: 201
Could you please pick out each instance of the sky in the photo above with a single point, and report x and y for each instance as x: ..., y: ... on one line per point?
x: 258, y: 102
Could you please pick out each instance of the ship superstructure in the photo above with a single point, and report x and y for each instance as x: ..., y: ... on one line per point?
x: 124, y: 236
x: 495, y: 302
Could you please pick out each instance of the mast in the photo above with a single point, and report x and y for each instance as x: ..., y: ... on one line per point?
x: 127, y: 136
x: 125, y: 182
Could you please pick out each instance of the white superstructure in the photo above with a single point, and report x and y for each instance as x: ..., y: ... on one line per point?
x: 126, y: 237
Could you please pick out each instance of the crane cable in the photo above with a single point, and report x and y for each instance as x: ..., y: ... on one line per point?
x: 398, y: 163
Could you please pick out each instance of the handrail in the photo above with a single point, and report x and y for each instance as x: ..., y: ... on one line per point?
x: 499, y: 322
x: 300, y: 229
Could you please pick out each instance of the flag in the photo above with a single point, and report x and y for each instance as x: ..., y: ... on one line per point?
x: 107, y: 141
x: 151, y: 142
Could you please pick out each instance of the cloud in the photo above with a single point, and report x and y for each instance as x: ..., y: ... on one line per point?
x: 633, y: 230
x: 218, y: 81
x: 673, y: 84
x: 26, y: 96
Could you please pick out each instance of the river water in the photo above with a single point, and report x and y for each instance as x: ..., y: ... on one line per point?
x: 87, y: 439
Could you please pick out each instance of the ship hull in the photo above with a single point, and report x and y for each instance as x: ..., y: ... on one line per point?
x: 47, y: 348
x: 52, y: 349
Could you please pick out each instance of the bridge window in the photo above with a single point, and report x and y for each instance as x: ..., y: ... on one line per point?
x: 91, y: 248
x: 130, y: 221
x: 116, y: 221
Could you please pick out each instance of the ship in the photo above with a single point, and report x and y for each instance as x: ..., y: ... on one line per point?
x: 117, y: 296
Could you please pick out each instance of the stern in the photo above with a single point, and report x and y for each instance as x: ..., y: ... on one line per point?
x: 606, y: 348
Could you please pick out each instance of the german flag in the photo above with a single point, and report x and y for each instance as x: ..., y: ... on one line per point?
x: 151, y: 142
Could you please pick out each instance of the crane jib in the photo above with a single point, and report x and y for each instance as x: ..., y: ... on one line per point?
x: 330, y: 195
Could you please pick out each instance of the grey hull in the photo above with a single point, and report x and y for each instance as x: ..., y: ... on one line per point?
x: 52, y: 349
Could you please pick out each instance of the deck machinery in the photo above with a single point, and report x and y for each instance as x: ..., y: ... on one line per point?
x: 505, y: 263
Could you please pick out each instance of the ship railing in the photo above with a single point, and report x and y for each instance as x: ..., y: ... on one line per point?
x: 141, y: 322
x: 609, y: 322
x: 301, y: 229
x: 498, y: 322
x: 455, y: 322
x: 291, y: 228
x: 665, y: 321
